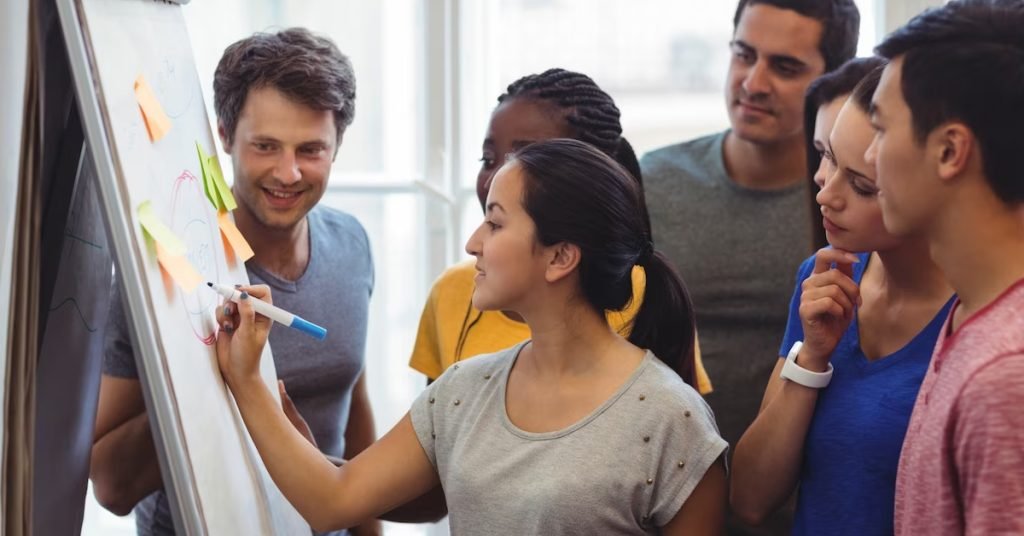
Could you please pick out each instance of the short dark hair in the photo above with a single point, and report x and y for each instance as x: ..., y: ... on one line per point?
x: 865, y: 90
x: 840, y: 24
x: 577, y: 194
x: 964, y: 62
x: 825, y: 89
x: 307, y: 68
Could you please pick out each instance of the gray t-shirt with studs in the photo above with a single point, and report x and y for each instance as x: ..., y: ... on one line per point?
x: 626, y: 468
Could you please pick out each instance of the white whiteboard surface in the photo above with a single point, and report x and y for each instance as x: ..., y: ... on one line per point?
x: 215, y: 473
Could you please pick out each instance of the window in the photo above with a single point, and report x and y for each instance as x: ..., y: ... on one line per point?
x: 663, y: 61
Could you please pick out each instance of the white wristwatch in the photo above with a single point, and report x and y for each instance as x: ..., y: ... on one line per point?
x: 795, y: 373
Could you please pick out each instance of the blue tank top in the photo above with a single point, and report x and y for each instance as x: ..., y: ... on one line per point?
x: 848, y: 475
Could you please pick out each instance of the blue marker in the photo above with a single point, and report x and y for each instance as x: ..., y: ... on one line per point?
x: 274, y: 313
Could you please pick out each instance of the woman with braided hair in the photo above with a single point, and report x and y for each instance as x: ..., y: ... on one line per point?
x: 554, y: 104
x: 578, y: 430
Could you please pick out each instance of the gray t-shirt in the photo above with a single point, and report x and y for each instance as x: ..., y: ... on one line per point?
x: 626, y: 468
x: 738, y: 250
x: 334, y: 292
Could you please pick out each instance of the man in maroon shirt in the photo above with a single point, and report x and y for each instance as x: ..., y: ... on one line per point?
x: 948, y: 114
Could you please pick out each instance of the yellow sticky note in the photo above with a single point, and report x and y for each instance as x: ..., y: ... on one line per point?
x: 209, y: 188
x: 180, y: 269
x: 162, y: 234
x: 234, y: 236
x: 223, y: 190
x: 157, y: 122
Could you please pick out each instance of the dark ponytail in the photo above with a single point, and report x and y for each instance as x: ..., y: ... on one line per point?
x: 577, y: 194
x: 673, y: 334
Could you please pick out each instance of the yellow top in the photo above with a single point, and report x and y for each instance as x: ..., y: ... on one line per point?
x: 451, y: 329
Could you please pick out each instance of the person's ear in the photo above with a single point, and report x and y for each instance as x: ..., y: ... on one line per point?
x: 563, y: 260
x: 222, y: 133
x: 954, y: 144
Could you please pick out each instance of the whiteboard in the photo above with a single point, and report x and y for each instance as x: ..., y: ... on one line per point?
x: 213, y: 476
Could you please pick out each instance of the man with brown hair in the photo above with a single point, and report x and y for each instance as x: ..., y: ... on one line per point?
x: 283, y: 102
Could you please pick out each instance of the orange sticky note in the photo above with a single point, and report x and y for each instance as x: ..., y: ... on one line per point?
x: 234, y: 236
x: 180, y: 269
x: 157, y: 122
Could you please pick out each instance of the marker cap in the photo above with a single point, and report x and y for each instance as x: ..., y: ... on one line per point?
x: 309, y: 328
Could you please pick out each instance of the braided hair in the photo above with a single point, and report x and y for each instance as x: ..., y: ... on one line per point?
x: 591, y: 114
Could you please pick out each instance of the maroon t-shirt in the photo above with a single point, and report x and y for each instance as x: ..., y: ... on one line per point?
x: 962, y: 466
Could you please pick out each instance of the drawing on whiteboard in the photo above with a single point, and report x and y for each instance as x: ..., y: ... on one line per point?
x: 191, y: 221
x: 175, y: 91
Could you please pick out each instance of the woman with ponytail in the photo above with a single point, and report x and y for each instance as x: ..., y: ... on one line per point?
x: 553, y: 104
x: 576, y: 431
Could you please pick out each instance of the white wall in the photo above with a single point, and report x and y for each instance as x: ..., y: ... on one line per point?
x: 897, y: 12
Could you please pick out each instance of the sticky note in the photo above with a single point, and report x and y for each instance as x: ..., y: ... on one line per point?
x: 209, y: 188
x: 223, y: 190
x: 234, y: 236
x: 180, y: 269
x: 157, y: 122
x: 214, y: 185
x: 162, y: 234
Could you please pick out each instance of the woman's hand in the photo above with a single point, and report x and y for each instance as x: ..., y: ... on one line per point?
x: 242, y: 336
x: 827, y: 305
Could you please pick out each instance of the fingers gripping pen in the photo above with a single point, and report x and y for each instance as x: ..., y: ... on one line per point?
x: 274, y: 313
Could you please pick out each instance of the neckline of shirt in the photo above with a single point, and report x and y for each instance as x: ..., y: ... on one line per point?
x: 285, y: 285
x: 556, y: 434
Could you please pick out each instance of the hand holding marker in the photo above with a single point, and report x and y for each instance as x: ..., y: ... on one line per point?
x: 274, y: 313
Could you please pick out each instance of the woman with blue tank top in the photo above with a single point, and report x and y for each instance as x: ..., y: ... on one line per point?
x: 861, y: 331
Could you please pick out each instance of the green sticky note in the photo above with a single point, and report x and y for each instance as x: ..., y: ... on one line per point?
x: 223, y: 190
x: 208, y: 186
x: 155, y: 228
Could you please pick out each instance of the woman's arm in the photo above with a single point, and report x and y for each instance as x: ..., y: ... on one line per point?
x: 388, y: 473
x: 766, y: 465
x: 704, y: 510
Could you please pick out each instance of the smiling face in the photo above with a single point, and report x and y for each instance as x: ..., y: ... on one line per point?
x: 775, y: 57
x: 281, y: 153
x: 514, y: 124
x: 849, y: 196
x: 509, y: 261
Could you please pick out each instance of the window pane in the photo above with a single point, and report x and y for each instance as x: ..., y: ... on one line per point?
x: 664, y: 61
x: 383, y: 41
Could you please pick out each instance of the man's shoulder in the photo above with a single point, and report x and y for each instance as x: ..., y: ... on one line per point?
x: 335, y: 218
x: 996, y: 382
x: 696, y: 148
x: 339, y: 226
x: 694, y: 159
